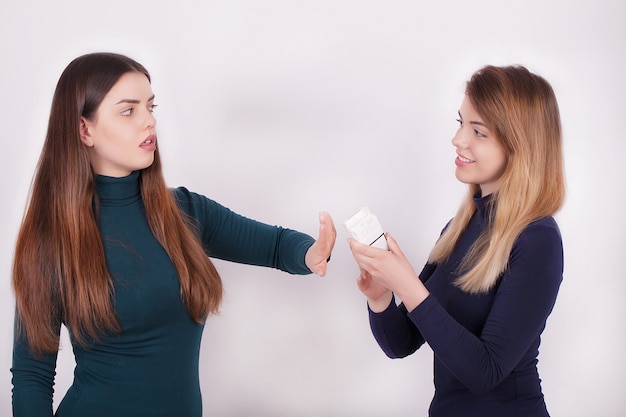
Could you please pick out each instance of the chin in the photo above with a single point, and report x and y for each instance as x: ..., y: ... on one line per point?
x: 464, y: 179
x: 145, y: 165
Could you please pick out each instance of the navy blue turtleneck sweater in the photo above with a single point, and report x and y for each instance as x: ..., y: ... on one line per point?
x: 485, y: 346
x: 151, y: 367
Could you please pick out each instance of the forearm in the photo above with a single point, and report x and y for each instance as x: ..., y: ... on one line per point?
x: 33, y: 382
x: 412, y: 292
x: 230, y: 236
x: 380, y: 304
x: 476, y: 363
x: 395, y: 333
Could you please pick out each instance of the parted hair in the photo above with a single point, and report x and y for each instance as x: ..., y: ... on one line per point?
x: 521, y: 110
x: 59, y: 269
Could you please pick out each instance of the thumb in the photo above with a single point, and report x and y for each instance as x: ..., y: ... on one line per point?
x: 393, y: 245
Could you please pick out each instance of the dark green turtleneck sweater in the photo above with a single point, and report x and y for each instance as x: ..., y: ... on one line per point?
x: 151, y: 368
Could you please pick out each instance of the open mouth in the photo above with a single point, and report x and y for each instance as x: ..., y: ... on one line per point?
x: 150, y: 140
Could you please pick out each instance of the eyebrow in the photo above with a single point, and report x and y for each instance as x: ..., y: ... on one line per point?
x: 474, y: 122
x: 133, y: 101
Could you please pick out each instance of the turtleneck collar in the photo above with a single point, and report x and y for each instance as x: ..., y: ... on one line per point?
x: 112, y: 191
x: 482, y: 204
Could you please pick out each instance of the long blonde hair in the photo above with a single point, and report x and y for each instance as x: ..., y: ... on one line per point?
x: 520, y: 108
x: 59, y: 269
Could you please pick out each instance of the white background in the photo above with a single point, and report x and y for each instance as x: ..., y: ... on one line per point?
x: 279, y: 109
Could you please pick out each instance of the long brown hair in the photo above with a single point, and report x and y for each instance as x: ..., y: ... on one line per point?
x: 59, y: 268
x: 521, y: 109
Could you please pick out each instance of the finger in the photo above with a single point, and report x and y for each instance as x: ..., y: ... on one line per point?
x: 354, y: 245
x: 362, y: 283
x: 393, y: 245
x: 365, y: 250
x: 326, y: 218
x: 326, y: 222
x: 391, y: 242
x: 363, y: 279
x: 357, y: 246
x: 327, y: 232
x: 357, y: 249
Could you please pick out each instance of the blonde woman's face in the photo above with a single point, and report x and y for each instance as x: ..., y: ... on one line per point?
x: 480, y: 155
x: 121, y: 137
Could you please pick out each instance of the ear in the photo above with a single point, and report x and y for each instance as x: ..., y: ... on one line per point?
x: 85, y: 136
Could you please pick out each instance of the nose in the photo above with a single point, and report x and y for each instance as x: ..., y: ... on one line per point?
x: 460, y: 139
x: 150, y: 120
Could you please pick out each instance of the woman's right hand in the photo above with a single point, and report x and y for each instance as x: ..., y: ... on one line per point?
x: 378, y: 297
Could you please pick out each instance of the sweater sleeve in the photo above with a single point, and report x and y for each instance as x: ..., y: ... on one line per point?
x: 523, y: 301
x: 33, y: 381
x: 395, y: 333
x: 229, y: 236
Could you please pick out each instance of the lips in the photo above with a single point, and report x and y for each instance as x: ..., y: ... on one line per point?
x: 462, y: 161
x: 149, y: 143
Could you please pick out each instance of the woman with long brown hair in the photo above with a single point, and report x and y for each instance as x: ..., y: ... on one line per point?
x: 106, y: 249
x: 491, y: 281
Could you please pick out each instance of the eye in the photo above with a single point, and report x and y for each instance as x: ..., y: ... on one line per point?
x: 460, y: 122
x: 480, y: 134
x: 152, y: 107
x: 128, y: 112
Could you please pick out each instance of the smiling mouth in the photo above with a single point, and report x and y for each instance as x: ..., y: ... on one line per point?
x: 465, y: 160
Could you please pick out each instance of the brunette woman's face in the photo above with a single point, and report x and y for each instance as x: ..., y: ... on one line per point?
x: 481, y: 158
x: 121, y: 136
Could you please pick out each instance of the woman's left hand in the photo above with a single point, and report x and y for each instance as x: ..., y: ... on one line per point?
x: 391, y: 269
x: 318, y: 254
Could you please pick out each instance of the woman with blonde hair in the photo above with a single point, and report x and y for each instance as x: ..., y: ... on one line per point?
x: 122, y: 261
x: 491, y: 281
